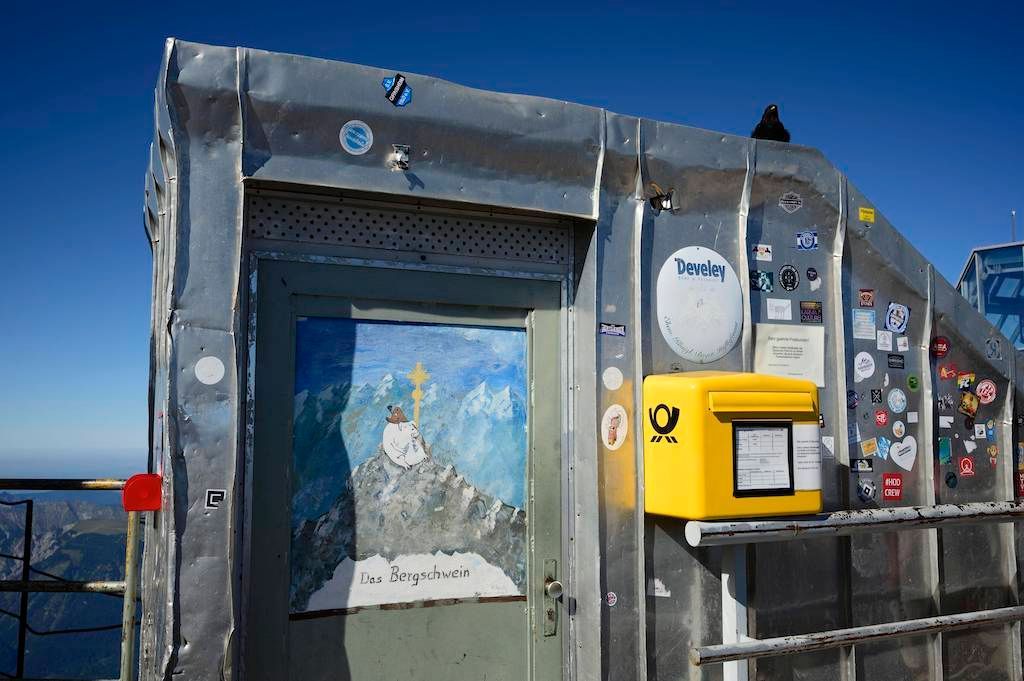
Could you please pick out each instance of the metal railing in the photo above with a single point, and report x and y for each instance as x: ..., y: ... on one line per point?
x: 126, y: 589
x: 845, y: 523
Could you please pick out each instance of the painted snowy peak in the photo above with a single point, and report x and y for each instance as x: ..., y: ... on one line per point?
x: 390, y: 512
x: 481, y: 432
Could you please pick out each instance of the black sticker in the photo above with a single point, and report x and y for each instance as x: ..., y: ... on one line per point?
x: 789, y: 278
x: 896, y: 361
x: 862, y: 465
x: 612, y: 329
x: 397, y: 90
x: 761, y: 281
x: 214, y: 498
x: 951, y: 480
x: 810, y: 311
x: 812, y: 274
x: 876, y: 396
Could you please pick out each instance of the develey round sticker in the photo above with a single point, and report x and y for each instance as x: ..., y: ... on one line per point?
x: 356, y: 137
x: 699, y: 304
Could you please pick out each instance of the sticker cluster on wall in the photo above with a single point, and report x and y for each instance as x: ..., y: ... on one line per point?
x: 967, y: 437
x: 882, y: 398
x: 786, y: 274
x: 781, y: 346
x: 356, y: 136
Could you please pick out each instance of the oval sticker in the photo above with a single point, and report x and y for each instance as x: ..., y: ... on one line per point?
x: 356, y: 137
x: 699, y: 304
x: 897, y: 401
x: 986, y: 391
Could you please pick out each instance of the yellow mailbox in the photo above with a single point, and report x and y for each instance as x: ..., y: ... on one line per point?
x: 731, y: 445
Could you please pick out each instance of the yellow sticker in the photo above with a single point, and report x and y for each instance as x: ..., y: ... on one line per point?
x: 869, y: 447
x: 866, y: 214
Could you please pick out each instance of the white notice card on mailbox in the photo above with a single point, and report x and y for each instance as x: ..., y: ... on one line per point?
x: 806, y: 456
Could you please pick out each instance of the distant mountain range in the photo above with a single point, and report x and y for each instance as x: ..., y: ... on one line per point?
x: 481, y: 432
x: 78, y: 536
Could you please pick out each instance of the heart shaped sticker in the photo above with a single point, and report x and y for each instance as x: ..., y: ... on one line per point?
x: 904, y: 453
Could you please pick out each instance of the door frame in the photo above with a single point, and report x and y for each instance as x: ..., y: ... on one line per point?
x: 567, y: 406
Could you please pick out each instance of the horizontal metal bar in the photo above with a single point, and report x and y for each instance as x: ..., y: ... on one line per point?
x: 48, y: 678
x: 39, y: 586
x: 822, y: 640
x: 843, y: 523
x: 52, y: 484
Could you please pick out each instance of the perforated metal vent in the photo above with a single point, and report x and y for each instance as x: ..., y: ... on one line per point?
x: 416, y: 229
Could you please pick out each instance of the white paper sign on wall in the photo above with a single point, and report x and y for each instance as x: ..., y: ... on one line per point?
x: 699, y: 304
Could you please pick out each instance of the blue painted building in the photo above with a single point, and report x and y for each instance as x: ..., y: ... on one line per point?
x: 992, y: 280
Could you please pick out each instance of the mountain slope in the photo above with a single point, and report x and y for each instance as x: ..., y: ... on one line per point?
x: 389, y: 511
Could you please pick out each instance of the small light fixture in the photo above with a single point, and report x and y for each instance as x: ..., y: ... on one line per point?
x: 663, y: 200
x: 400, y: 157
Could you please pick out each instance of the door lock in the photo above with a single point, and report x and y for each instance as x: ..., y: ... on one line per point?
x: 552, y: 594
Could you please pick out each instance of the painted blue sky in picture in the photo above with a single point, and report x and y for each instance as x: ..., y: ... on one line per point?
x: 472, y: 414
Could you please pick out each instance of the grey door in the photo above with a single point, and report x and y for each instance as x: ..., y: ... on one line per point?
x: 405, y: 503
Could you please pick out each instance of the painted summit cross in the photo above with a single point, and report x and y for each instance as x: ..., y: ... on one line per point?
x: 418, y: 376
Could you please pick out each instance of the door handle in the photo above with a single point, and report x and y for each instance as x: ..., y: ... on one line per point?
x: 552, y: 594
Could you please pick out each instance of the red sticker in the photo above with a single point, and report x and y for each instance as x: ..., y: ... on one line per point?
x: 1020, y: 484
x: 947, y: 372
x: 940, y: 346
x: 986, y: 391
x: 881, y: 418
x: 966, y: 467
x: 892, y: 486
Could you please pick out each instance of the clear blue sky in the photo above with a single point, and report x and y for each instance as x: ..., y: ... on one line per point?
x: 922, y: 108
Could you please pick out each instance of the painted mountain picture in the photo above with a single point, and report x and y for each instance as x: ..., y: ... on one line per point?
x: 408, y: 463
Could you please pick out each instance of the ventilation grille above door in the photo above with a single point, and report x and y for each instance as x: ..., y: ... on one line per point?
x: 413, y: 228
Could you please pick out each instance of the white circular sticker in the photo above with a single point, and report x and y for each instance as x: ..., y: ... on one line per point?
x: 897, y: 400
x: 612, y: 378
x: 614, y: 427
x: 863, y: 366
x: 356, y: 137
x: 699, y: 304
x: 899, y: 429
x: 209, y: 370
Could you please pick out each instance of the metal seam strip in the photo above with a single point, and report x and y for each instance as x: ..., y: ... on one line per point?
x: 636, y: 278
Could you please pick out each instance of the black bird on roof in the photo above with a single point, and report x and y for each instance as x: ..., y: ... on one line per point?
x: 770, y: 127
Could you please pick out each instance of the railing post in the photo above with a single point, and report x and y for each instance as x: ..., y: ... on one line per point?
x: 26, y: 574
x: 131, y: 562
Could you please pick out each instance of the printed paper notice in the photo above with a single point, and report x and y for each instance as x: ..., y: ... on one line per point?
x: 762, y: 457
x: 789, y: 350
x: 780, y: 308
x: 806, y: 456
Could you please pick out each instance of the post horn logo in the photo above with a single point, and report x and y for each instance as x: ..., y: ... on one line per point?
x: 671, y: 419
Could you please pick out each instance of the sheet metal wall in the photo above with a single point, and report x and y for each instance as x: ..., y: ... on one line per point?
x: 817, y: 601
x: 892, y: 575
x: 226, y: 117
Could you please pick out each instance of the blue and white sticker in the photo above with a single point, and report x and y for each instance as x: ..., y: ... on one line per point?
x: 356, y: 137
x: 807, y: 241
x: 397, y: 90
x: 897, y: 400
x: 896, y: 317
